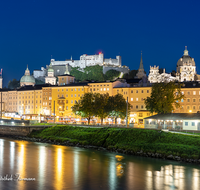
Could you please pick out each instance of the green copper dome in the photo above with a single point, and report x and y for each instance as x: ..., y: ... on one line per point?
x: 50, y: 69
x: 27, y: 78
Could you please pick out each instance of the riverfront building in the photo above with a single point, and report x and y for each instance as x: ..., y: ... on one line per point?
x: 32, y: 102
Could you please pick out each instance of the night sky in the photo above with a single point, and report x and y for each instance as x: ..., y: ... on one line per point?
x: 33, y: 31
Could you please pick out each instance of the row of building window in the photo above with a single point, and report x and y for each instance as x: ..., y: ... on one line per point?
x: 71, y: 89
x: 67, y: 95
x: 101, y: 89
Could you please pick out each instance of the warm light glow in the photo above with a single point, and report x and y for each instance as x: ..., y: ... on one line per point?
x: 119, y: 158
x: 190, y: 111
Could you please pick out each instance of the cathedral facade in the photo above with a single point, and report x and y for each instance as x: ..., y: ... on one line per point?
x: 185, y: 71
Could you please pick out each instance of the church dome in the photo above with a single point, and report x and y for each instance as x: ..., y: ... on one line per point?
x: 27, y: 79
x: 50, y: 69
x: 186, y: 59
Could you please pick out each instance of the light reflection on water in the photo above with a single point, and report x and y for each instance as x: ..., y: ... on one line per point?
x: 60, y: 167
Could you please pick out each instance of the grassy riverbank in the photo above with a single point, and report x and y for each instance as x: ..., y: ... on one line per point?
x: 132, y: 141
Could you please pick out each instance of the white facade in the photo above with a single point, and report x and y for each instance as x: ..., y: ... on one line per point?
x: 156, y: 77
x: 50, y: 79
x: 186, y: 68
x: 90, y: 60
x: 185, y: 71
x: 39, y: 73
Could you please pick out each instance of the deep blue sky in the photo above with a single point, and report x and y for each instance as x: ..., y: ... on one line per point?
x: 32, y: 31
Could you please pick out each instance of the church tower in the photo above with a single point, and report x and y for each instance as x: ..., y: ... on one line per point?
x: 186, y: 68
x: 140, y: 72
x: 50, y: 76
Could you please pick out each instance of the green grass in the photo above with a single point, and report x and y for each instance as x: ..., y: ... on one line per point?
x: 131, y: 140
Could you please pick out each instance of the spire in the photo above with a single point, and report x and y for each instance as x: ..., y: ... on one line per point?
x: 185, y: 51
x: 141, y: 62
x: 71, y: 57
x: 27, y: 72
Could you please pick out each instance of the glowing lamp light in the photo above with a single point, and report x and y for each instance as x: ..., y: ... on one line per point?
x: 190, y: 111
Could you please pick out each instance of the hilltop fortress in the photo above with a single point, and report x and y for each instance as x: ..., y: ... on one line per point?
x: 60, y: 67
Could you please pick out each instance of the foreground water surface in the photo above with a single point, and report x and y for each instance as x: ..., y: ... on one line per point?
x: 30, y: 165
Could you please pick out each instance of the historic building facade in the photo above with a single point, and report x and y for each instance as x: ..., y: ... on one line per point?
x: 185, y: 71
x: 186, y: 68
x: 27, y: 79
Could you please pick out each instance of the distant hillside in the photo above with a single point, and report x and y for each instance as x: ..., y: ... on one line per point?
x: 93, y: 73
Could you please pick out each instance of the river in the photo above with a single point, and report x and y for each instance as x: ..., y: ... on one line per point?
x: 30, y: 165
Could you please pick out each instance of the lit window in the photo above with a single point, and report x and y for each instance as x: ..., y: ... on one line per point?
x: 131, y: 99
x: 136, y: 99
x: 194, y: 92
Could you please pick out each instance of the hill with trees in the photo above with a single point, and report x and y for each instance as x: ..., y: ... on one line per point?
x: 93, y: 73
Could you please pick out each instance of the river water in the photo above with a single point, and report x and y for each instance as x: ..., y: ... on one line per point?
x: 30, y: 165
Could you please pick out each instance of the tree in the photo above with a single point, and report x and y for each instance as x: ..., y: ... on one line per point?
x: 130, y: 75
x: 13, y: 84
x: 85, y: 108
x: 118, y: 106
x: 111, y: 74
x: 164, y: 97
x: 101, y: 105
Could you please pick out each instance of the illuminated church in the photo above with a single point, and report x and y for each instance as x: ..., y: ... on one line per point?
x: 185, y: 71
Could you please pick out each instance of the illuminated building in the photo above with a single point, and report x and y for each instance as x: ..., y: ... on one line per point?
x: 27, y: 79
x: 185, y: 71
x: 50, y: 79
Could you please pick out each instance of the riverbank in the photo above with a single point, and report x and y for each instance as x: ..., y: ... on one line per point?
x: 141, y: 142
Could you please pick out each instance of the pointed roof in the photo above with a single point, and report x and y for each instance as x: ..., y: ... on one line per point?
x: 141, y: 63
x: 185, y: 51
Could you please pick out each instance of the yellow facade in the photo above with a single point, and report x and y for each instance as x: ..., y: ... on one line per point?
x: 191, y: 103
x: 64, y: 97
x: 30, y: 101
